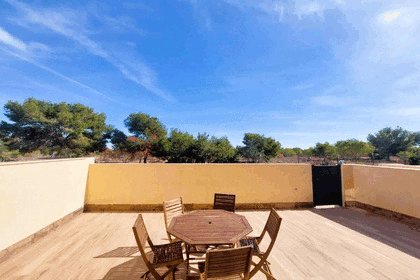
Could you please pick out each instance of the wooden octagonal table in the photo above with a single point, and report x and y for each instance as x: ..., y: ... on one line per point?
x: 210, y: 227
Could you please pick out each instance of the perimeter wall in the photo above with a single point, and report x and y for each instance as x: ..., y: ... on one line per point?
x: 36, y: 194
x: 389, y: 188
x: 130, y: 186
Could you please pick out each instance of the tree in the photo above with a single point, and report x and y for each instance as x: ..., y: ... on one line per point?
x: 308, y: 152
x: 181, y: 146
x: 6, y: 154
x: 415, y: 156
x: 258, y: 147
x: 221, y: 151
x: 405, y: 155
x: 353, y: 148
x: 411, y: 156
x: 201, y: 148
x: 149, y: 136
x: 298, y: 151
x: 60, y: 128
x: 287, y: 152
x: 324, y: 150
x: 390, y: 141
x: 416, y: 141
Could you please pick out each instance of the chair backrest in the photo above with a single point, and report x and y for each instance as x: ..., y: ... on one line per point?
x: 142, y: 236
x: 227, y: 262
x: 171, y: 209
x: 272, y: 227
x: 224, y: 202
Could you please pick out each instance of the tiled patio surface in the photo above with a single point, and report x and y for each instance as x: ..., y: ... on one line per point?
x: 312, y: 244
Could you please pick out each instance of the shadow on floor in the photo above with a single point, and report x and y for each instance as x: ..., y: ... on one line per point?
x: 120, y: 252
x: 398, y: 235
x: 135, y: 267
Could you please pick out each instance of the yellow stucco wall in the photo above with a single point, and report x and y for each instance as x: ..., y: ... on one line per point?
x: 197, y: 183
x: 347, y: 182
x: 389, y: 188
x: 35, y: 194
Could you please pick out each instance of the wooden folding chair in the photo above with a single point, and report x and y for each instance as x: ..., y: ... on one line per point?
x: 172, y: 208
x: 272, y: 227
x: 169, y: 255
x: 224, y: 202
x: 227, y: 264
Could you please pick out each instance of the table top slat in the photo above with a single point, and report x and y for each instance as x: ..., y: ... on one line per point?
x: 210, y: 227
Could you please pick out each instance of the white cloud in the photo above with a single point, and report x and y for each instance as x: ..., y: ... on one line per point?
x: 406, y: 112
x: 9, y: 40
x: 52, y: 71
x: 334, y: 101
x: 303, y: 86
x: 309, y: 8
x: 64, y: 24
x: 388, y: 17
x: 299, y: 8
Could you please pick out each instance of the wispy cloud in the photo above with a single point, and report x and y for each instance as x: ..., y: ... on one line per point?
x: 201, y: 14
x: 52, y: 71
x: 333, y: 101
x: 9, y: 40
x: 309, y: 8
x: 303, y: 86
x: 63, y: 24
x: 31, y: 49
x: 122, y: 25
x: 301, y: 9
x: 391, y: 16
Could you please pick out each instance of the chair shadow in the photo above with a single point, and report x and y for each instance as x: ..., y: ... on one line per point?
x: 129, y: 270
x: 120, y: 252
x: 401, y: 236
x: 135, y: 267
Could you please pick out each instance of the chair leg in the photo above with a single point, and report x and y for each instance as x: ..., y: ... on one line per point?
x: 145, y: 275
x: 188, y: 255
x: 266, y: 270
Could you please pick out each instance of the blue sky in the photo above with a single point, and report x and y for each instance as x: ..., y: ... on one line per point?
x: 298, y: 71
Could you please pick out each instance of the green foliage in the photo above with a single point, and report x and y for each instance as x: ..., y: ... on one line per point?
x: 181, y: 146
x: 353, y: 148
x: 298, y: 151
x: 309, y: 152
x: 144, y: 126
x: 416, y: 141
x: 390, y: 141
x: 324, y: 150
x: 287, y: 152
x: 184, y: 148
x: 60, y: 128
x: 405, y: 155
x: 6, y: 154
x: 411, y: 156
x: 257, y: 147
x: 149, y: 137
x: 201, y: 149
x: 221, y: 151
x: 118, y: 140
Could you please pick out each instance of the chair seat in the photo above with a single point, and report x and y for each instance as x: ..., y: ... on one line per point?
x: 251, y: 241
x: 197, y: 249
x: 167, y: 253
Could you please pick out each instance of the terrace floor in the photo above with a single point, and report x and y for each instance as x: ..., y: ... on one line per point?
x: 312, y: 244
